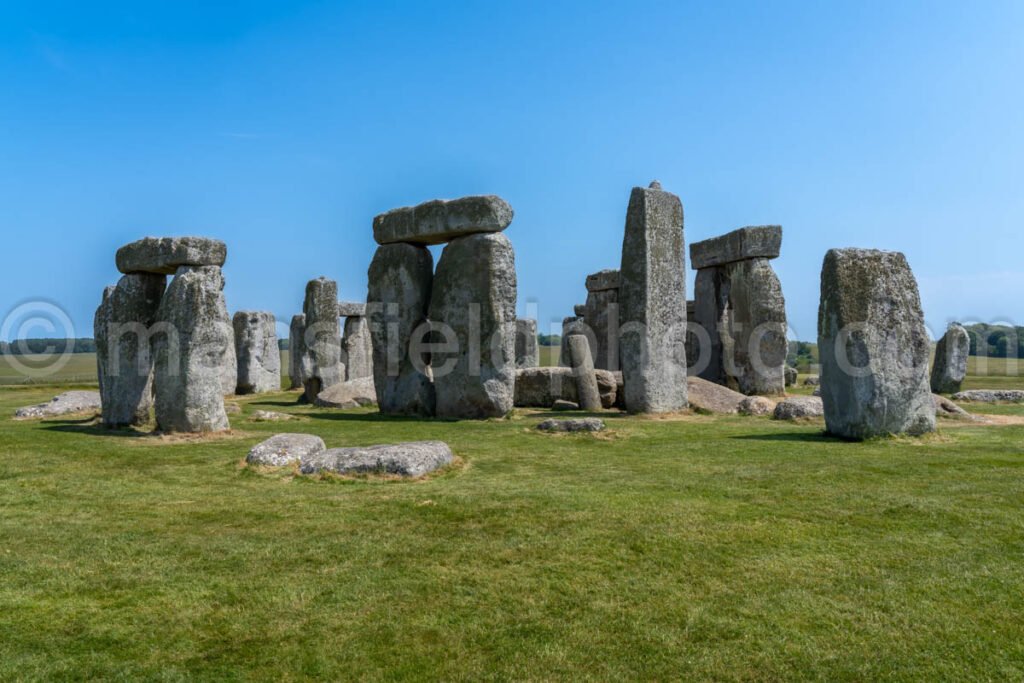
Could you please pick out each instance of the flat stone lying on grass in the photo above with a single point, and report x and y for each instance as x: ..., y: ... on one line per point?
x: 990, y: 395
x: 351, y: 394
x: 163, y: 255
x: 439, y: 221
x: 946, y: 408
x: 711, y: 397
x: 413, y: 459
x: 797, y: 407
x: 68, y: 403
x: 270, y: 416
x: 584, y: 424
x: 564, y: 405
x: 753, y: 405
x: 284, y: 449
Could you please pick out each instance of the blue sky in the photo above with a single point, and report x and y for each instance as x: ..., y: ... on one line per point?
x: 283, y: 128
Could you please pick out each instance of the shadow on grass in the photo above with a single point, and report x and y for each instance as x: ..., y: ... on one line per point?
x: 816, y: 437
x: 570, y: 414
x: 91, y: 428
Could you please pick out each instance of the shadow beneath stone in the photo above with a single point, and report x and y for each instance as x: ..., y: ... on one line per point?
x: 91, y: 428
x: 819, y: 437
x: 340, y: 414
x: 569, y: 414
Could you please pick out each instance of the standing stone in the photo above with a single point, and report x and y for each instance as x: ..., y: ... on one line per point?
x: 527, y: 352
x: 873, y: 346
x: 583, y: 372
x: 602, y: 315
x: 950, y: 365
x: 358, y: 347
x: 259, y: 360
x: 652, y: 303
x: 570, y: 326
x: 229, y: 371
x: 321, y: 363
x: 474, y: 295
x: 296, y: 349
x: 123, y: 352
x: 190, y: 348
x: 400, y: 279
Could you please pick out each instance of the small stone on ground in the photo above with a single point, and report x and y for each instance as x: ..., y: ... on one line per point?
x: 281, y: 450
x: 270, y: 416
x: 796, y: 407
x: 564, y: 405
x: 586, y: 424
x: 990, y: 395
x: 62, y: 404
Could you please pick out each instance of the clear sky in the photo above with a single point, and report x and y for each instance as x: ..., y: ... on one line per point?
x: 284, y: 127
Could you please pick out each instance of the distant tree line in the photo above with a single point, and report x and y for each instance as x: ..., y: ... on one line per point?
x: 549, y: 339
x: 996, y: 341
x: 802, y: 355
x: 46, y: 345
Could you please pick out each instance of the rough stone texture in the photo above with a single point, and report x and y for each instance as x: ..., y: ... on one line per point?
x: 756, y: 405
x: 587, y: 394
x: 440, y: 221
x: 603, y: 280
x: 270, y: 416
x: 950, y: 365
x: 232, y: 408
x: 527, y: 351
x: 695, y: 342
x: 351, y: 394
x: 229, y: 368
x: 413, y: 459
x: 474, y: 295
x: 322, y: 367
x: 122, y: 329
x: 652, y: 303
x: 796, y: 407
x: 584, y: 424
x: 282, y: 450
x: 68, y: 403
x: 602, y: 315
x: 259, y: 360
x: 873, y: 346
x: 358, y: 346
x: 711, y: 397
x: 561, y: 405
x: 812, y: 381
x: 753, y: 242
x: 570, y: 326
x: 190, y: 352
x: 946, y: 408
x: 790, y: 375
x: 296, y: 349
x: 400, y: 278
x: 990, y: 395
x: 164, y: 255
x: 351, y: 309
x: 541, y: 387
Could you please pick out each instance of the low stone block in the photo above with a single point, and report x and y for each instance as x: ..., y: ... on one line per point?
x: 282, y: 450
x: 584, y: 424
x: 413, y: 459
x: 67, y: 403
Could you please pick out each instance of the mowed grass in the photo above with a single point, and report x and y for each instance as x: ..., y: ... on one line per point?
x: 690, y: 548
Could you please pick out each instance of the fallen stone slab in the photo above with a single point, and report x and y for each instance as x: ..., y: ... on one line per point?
x: 990, y: 395
x: 68, y: 403
x: 351, y: 394
x: 561, y: 405
x: 711, y: 397
x: 281, y: 450
x: 439, y: 221
x: 164, y: 255
x: 946, y: 408
x: 584, y: 424
x: 797, y: 407
x: 756, y: 405
x: 760, y: 241
x: 412, y: 459
x: 348, y: 309
x: 270, y: 416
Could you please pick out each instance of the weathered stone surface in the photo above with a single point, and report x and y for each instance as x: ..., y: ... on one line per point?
x: 351, y: 394
x: 270, y: 416
x: 527, y: 351
x: 561, y: 405
x: 946, y: 408
x: 603, y: 280
x: 541, y: 387
x: 587, y: 394
x: 322, y: 366
x: 756, y: 405
x: 570, y: 326
x: 164, y: 255
x: 122, y: 329
x: 413, y: 459
x: 259, y: 360
x: 790, y: 375
x: 652, y: 303
x: 990, y: 395
x: 351, y: 309
x: 812, y: 381
x: 583, y: 424
x: 358, y: 345
x: 232, y: 408
x: 190, y: 352
x: 68, y: 403
x: 282, y: 450
x: 474, y: 295
x: 229, y: 367
x: 873, y: 346
x: 440, y: 221
x: 711, y: 397
x: 796, y: 407
x: 400, y: 278
x: 601, y: 314
x: 753, y: 242
x: 296, y: 349
x: 950, y: 365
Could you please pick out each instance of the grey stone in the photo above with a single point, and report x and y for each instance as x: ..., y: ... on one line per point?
x: 760, y: 242
x: 270, y: 416
x: 946, y: 408
x: 990, y: 395
x: 439, y: 221
x: 790, y: 375
x: 542, y: 387
x: 322, y: 366
x: 950, y: 365
x: 123, y: 330
x: 711, y: 397
x: 527, y: 351
x: 358, y: 345
x: 603, y: 280
x: 190, y: 351
x: 351, y: 309
x: 282, y: 450
x: 259, y: 360
x: 588, y: 395
x: 564, y: 405
x: 570, y: 326
x: 601, y: 313
x: 229, y: 367
x: 164, y: 255
x: 652, y: 304
x: 583, y: 424
x: 474, y: 296
x: 579, y: 310
x: 812, y: 381
x: 296, y: 349
x: 413, y: 459
x: 68, y: 403
x: 351, y: 394
x: 873, y: 346
x: 756, y: 405
x: 400, y: 278
x: 797, y: 407
x: 232, y: 408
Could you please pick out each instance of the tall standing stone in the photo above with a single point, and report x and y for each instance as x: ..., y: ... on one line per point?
x: 602, y: 315
x: 873, y: 346
x: 583, y: 372
x: 322, y: 366
x: 296, y: 349
x: 259, y: 360
x: 124, y: 355
x: 652, y: 303
x: 190, y: 346
x: 229, y: 370
x: 398, y: 296
x: 570, y: 326
x: 358, y: 346
x: 950, y: 365
x: 474, y: 295
x: 527, y: 352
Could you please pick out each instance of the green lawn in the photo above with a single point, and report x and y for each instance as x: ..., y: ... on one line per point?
x: 700, y: 547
